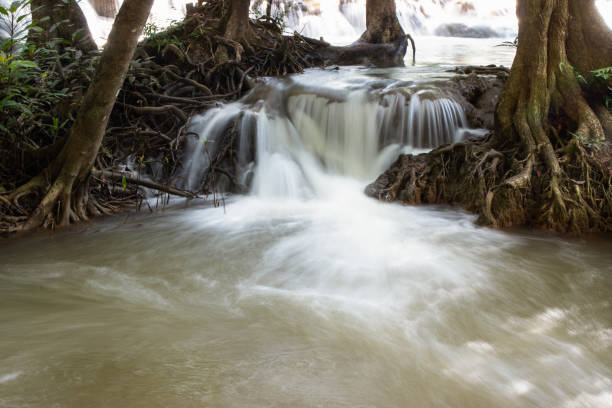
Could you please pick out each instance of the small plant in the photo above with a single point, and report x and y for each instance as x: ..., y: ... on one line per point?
x: 14, y: 69
x: 603, y: 73
x: 513, y: 44
x: 150, y: 29
x: 597, y: 78
x: 40, y: 81
x: 593, y: 144
x: 158, y: 38
x: 563, y: 66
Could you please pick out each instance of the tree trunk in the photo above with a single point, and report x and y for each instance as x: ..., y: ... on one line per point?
x: 383, y: 43
x: 360, y: 53
x: 543, y: 97
x: 59, y: 19
x: 65, y: 197
x: 382, y: 25
x: 237, y: 26
x: 105, y: 8
x: 269, y: 9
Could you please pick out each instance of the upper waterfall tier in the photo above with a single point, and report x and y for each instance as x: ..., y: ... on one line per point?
x: 342, y: 21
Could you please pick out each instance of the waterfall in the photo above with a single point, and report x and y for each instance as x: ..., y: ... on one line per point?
x: 342, y: 21
x: 163, y: 14
x: 302, y: 137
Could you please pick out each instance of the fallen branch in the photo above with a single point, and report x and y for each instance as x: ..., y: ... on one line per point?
x: 121, y: 177
x: 159, y: 110
x: 413, y: 48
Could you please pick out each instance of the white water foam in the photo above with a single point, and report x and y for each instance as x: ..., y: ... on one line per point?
x: 310, y: 135
x: 9, y: 377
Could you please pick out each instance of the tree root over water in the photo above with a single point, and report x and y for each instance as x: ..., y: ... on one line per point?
x: 546, y: 164
x: 505, y: 189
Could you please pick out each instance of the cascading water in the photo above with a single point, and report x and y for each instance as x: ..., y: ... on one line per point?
x: 306, y: 135
x: 342, y: 21
x: 336, y: 300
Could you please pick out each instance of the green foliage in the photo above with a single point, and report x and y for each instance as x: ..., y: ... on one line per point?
x: 597, y: 83
x: 563, y: 66
x: 598, y: 78
x: 150, y: 29
x: 603, y: 73
x: 39, y: 82
x: 158, y: 39
x: 588, y: 142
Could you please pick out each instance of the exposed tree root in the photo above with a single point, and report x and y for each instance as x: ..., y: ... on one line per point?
x: 503, y: 189
x: 543, y: 167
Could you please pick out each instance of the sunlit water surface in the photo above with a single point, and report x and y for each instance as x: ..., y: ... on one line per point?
x: 334, y: 300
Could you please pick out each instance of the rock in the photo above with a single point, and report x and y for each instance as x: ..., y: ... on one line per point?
x: 464, y: 31
x: 477, y: 90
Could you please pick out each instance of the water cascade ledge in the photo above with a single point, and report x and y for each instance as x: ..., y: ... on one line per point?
x: 288, y: 139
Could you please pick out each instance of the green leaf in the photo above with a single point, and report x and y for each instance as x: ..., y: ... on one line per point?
x: 124, y: 182
x: 4, y: 11
x: 14, y: 6
x: 20, y: 107
x: 603, y: 73
x: 22, y: 64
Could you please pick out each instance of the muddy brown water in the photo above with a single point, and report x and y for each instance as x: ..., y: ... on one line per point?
x: 334, y: 300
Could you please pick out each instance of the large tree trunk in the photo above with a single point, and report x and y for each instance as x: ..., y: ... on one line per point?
x: 382, y: 25
x: 237, y: 27
x: 64, y: 182
x: 105, y: 8
x: 59, y: 19
x: 558, y: 41
x: 543, y: 167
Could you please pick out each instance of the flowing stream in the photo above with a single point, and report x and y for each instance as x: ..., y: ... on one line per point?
x: 306, y: 293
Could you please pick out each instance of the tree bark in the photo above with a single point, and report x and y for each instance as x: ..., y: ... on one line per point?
x: 59, y: 19
x: 269, y: 9
x: 543, y: 95
x: 237, y: 27
x: 105, y: 8
x: 382, y: 25
x: 65, y: 197
x: 381, y: 54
